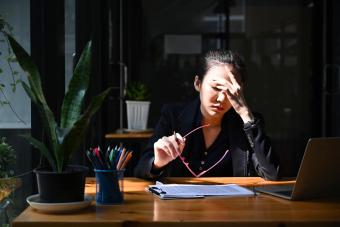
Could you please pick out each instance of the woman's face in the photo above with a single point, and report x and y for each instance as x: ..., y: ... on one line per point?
x: 214, y: 101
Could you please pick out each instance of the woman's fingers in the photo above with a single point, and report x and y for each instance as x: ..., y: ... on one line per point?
x: 235, y: 98
x: 179, y: 139
x: 163, y: 147
x: 172, y: 146
x: 225, y: 85
x: 231, y: 90
x: 231, y: 76
x: 233, y: 85
x: 167, y: 149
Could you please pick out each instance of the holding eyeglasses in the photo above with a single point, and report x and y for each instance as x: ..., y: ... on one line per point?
x: 234, y: 144
x: 169, y: 148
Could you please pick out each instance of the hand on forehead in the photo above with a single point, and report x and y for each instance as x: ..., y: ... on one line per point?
x: 232, y: 75
x: 224, y: 79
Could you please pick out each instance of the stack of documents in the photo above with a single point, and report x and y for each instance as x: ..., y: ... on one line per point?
x: 178, y: 191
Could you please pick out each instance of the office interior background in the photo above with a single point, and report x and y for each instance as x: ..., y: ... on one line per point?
x: 291, y: 49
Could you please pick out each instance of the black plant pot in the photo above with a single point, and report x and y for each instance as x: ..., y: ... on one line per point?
x: 67, y: 186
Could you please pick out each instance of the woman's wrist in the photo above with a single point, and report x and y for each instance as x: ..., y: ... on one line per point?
x: 157, y: 165
x: 246, y: 116
x: 156, y: 170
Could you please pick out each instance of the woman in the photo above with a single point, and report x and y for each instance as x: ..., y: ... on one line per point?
x: 230, y: 143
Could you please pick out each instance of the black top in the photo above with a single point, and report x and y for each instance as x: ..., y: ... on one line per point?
x: 249, y: 154
x: 201, y: 158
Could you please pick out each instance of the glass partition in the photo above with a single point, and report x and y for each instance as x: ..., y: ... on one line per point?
x: 274, y: 37
x: 15, y: 120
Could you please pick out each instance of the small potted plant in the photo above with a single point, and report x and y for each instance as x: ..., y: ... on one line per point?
x: 137, y: 106
x: 60, y: 182
x: 7, y: 161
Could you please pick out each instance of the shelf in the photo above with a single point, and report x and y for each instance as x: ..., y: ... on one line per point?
x: 145, y: 135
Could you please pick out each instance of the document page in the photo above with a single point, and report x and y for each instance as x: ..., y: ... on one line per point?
x: 197, y: 191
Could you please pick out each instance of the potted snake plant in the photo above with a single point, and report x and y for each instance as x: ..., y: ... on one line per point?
x: 60, y: 181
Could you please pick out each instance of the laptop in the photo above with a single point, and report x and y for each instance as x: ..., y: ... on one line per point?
x: 318, y: 175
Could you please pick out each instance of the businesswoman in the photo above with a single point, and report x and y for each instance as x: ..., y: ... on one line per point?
x: 229, y: 139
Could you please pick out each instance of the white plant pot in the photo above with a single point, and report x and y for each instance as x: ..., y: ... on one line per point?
x: 137, y: 114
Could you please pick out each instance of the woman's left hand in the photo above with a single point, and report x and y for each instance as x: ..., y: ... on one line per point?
x: 234, y: 91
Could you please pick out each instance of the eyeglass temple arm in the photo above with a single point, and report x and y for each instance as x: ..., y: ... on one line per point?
x: 196, y: 130
x: 186, y: 164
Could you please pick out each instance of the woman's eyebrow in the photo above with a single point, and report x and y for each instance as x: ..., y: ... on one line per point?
x: 217, y: 82
x: 214, y: 83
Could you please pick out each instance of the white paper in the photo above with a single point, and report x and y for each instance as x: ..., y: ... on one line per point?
x: 198, y: 191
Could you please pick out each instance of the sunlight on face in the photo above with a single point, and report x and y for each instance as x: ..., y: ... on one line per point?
x: 214, y: 100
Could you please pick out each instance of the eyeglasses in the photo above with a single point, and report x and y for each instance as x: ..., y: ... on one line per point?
x: 186, y: 164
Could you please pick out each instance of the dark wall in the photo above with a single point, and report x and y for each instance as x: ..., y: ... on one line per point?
x: 48, y: 52
x: 333, y: 72
x: 100, y: 21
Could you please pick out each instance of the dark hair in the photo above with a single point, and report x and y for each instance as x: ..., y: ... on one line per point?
x: 218, y: 57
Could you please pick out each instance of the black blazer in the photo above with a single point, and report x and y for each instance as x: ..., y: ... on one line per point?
x: 250, y: 149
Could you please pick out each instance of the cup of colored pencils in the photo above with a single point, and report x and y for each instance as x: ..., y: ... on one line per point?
x: 109, y: 168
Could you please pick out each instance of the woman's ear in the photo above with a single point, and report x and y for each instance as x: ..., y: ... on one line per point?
x: 197, y: 84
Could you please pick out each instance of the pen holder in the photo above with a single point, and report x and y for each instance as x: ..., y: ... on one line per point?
x: 109, y: 186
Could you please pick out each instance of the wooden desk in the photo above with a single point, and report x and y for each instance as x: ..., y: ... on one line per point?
x: 143, y: 209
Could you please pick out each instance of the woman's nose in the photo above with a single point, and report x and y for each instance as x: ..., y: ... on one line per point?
x: 221, y: 96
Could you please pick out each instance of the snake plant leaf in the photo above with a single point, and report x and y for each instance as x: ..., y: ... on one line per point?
x: 75, y: 136
x: 29, y: 92
x: 50, y: 125
x: 43, y: 149
x: 72, y: 104
x: 26, y: 63
x: 48, y: 119
x: 61, y: 133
